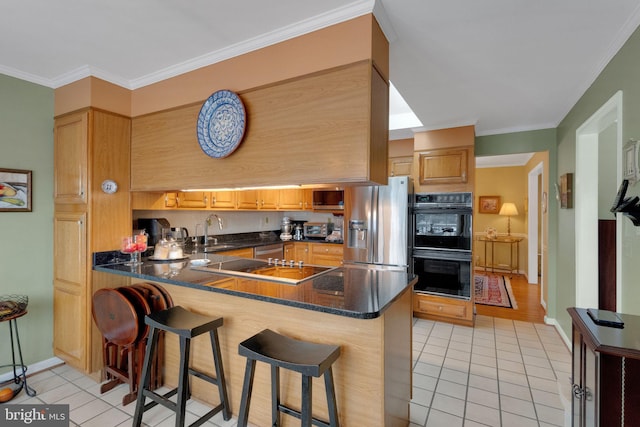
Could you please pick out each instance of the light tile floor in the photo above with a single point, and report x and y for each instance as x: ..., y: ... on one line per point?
x: 500, y: 373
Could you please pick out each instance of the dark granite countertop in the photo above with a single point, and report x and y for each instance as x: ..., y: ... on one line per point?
x: 352, y: 291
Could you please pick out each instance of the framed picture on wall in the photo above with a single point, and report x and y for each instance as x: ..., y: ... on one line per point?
x: 489, y: 204
x: 15, y: 190
x: 566, y: 191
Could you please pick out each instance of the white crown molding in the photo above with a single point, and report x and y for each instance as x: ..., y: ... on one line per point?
x: 385, y: 23
x: 32, y: 78
x: 517, y: 129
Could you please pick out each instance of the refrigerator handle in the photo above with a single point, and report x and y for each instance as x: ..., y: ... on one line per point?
x: 373, y: 226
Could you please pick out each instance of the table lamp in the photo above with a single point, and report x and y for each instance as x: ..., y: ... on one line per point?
x: 508, y: 209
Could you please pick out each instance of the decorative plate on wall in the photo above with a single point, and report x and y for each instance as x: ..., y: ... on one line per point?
x: 221, y: 124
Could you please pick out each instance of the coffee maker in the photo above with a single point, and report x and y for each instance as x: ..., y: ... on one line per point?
x: 153, y: 227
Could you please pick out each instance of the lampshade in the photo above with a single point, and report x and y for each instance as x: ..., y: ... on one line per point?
x: 508, y: 209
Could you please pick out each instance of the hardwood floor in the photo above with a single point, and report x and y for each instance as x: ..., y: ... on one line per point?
x: 527, y: 297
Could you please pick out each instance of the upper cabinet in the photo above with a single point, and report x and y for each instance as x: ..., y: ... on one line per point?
x: 401, y: 166
x: 70, y: 158
x: 326, y: 127
x: 444, y: 160
x: 444, y: 166
x: 223, y: 200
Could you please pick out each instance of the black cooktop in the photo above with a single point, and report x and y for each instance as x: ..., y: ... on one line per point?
x: 283, y: 272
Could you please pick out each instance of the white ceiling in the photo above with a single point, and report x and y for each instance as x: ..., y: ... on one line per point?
x: 501, y: 65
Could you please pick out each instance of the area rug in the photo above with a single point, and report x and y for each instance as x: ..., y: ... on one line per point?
x: 493, y: 289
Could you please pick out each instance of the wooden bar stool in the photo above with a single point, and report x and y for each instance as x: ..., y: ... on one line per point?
x: 309, y: 359
x: 186, y: 325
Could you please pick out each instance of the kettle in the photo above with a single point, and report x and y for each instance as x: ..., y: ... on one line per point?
x: 179, y: 234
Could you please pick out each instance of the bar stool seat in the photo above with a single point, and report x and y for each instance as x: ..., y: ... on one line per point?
x: 309, y: 359
x: 186, y: 325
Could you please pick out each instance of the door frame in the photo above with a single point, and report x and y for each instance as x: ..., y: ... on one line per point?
x: 532, y: 231
x: 586, y: 202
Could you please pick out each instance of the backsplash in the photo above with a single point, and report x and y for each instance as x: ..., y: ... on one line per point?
x: 233, y: 221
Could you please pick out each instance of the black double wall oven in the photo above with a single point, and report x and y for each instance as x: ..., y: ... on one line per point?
x: 442, y: 239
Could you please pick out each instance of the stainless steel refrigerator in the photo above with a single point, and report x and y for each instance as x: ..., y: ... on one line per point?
x: 377, y: 223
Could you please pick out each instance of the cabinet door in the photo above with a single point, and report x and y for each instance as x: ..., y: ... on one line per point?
x: 70, y: 338
x: 444, y: 166
x: 401, y: 166
x: 171, y: 200
x: 223, y: 200
x: 70, y: 158
x: 247, y: 199
x: 269, y: 199
x: 291, y: 199
x: 308, y: 199
x: 326, y: 254
x: 192, y: 199
x: 289, y: 251
x: 302, y: 252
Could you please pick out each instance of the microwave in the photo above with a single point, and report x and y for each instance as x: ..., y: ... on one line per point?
x: 324, y: 199
x: 317, y: 230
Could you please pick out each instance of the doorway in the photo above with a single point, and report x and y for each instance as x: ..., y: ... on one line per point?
x: 588, y: 176
x: 530, y: 193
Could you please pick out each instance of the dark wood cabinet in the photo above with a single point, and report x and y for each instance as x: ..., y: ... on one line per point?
x: 605, y: 372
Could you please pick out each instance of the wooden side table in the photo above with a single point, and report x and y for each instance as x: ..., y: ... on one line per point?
x: 513, y: 242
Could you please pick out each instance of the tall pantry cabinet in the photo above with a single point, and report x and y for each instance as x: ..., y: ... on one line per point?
x: 91, y: 146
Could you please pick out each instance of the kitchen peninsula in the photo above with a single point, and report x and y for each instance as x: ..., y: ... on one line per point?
x: 367, y: 311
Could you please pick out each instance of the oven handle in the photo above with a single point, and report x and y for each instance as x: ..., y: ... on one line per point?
x: 445, y: 255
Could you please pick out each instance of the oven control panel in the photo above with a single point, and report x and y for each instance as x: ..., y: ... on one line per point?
x: 443, y: 199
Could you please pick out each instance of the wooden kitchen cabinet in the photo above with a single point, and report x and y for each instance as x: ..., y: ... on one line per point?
x: 171, y: 200
x: 292, y: 199
x: 247, y: 199
x: 401, y: 166
x: 70, y: 287
x: 192, y: 199
x: 329, y: 254
x: 90, y: 146
x: 223, y: 199
x: 451, y: 310
x: 605, y: 372
x: 297, y: 251
x: 444, y: 166
x: 268, y: 199
x: 70, y: 159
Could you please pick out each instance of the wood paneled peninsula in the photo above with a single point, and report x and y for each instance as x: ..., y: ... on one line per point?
x: 367, y: 311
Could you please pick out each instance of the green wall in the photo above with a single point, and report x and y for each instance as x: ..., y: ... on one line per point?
x: 26, y: 238
x: 622, y: 73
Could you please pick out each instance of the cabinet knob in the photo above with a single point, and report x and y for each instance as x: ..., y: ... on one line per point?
x: 213, y: 200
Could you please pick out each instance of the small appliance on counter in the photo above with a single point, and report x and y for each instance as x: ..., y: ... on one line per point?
x: 285, y: 229
x: 317, y: 230
x: 153, y: 227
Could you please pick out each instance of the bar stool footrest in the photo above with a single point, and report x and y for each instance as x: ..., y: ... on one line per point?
x: 295, y: 413
x: 162, y: 399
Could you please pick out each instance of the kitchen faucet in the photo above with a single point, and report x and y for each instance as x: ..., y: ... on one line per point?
x: 207, y: 223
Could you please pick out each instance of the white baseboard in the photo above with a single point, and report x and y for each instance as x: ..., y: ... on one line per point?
x: 565, y: 338
x: 33, y: 368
